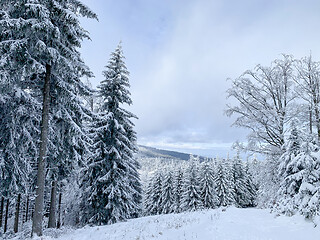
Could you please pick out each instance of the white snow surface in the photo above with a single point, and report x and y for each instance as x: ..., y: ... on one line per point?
x: 223, y: 224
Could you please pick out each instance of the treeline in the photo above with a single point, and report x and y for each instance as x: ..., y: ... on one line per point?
x: 195, y: 186
x: 65, y: 157
x: 279, y: 105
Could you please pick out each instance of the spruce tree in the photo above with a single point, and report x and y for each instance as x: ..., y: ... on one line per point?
x: 308, y: 161
x: 289, y: 174
x: 222, y: 183
x: 239, y: 180
x: 153, y: 199
x: 41, y: 40
x: 191, y: 198
x: 178, y: 190
x: 113, y: 185
x: 167, y: 192
x: 207, y: 186
x: 251, y: 189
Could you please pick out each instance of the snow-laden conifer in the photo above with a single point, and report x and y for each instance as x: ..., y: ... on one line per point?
x: 222, y: 183
x: 191, y: 198
x: 178, y: 189
x: 113, y: 183
x: 308, y: 162
x: 289, y: 173
x: 207, y: 186
x: 153, y: 199
x: 251, y: 188
x: 41, y: 39
x: 241, y: 194
x: 168, y: 196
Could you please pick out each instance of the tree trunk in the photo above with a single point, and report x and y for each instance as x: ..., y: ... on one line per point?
x: 16, y: 219
x: 38, y: 208
x: 1, y: 211
x: 91, y: 104
x: 310, y: 119
x: 6, y: 217
x: 317, y: 119
x: 27, y: 209
x: 52, y: 213
x: 59, y: 209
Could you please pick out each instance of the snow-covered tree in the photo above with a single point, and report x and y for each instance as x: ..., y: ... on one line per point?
x: 308, y: 89
x: 167, y: 192
x: 178, y: 189
x: 207, y: 186
x: 242, y: 184
x: 113, y: 183
x: 251, y: 188
x: 289, y: 173
x: 308, y: 161
x: 153, y: 198
x: 264, y: 96
x: 222, y: 182
x: 41, y: 39
x: 191, y: 198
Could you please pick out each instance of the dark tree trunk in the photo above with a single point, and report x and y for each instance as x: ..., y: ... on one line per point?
x: 1, y: 210
x: 91, y: 104
x: 38, y: 208
x: 52, y: 213
x: 6, y: 217
x: 59, y: 209
x: 310, y: 119
x: 16, y: 219
x: 27, y: 209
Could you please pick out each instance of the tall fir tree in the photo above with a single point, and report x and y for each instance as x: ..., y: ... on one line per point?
x: 113, y: 184
x: 222, y: 183
x: 153, y: 198
x: 308, y: 162
x: 207, y: 186
x: 239, y: 180
x: 251, y: 188
x: 191, y: 198
x: 178, y: 190
x: 41, y: 39
x: 167, y: 192
x: 289, y: 174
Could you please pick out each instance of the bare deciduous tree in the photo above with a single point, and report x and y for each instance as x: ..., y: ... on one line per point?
x: 264, y: 96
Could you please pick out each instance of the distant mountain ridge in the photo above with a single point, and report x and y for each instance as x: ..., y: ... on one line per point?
x: 150, y: 152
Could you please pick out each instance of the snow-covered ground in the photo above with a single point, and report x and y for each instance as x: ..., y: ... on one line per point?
x: 234, y: 223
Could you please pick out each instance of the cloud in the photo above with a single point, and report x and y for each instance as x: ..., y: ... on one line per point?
x: 181, y: 54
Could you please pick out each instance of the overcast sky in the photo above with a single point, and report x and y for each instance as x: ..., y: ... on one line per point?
x: 180, y: 53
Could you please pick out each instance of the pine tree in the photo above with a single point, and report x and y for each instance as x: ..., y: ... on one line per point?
x: 239, y: 180
x: 207, y: 186
x: 147, y: 197
x: 191, y: 198
x: 167, y: 192
x: 153, y: 199
x: 41, y: 39
x: 114, y: 186
x: 251, y: 188
x: 269, y: 182
x: 222, y: 183
x: 289, y: 173
x: 178, y: 190
x: 308, y: 162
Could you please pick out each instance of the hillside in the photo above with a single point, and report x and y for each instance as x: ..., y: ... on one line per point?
x: 231, y: 224
x: 150, y: 152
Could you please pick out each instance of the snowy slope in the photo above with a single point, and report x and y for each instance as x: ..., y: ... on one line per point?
x: 236, y: 224
x: 150, y: 152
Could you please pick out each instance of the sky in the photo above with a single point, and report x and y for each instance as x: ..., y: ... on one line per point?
x: 180, y: 54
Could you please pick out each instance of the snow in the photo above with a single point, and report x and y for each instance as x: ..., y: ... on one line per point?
x: 223, y: 224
